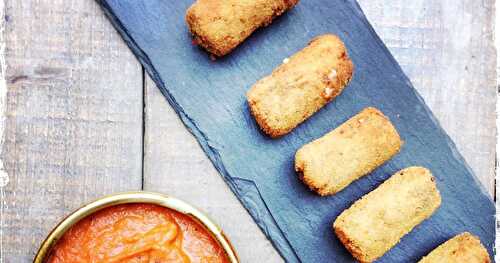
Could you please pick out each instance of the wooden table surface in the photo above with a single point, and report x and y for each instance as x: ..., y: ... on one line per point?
x: 84, y: 120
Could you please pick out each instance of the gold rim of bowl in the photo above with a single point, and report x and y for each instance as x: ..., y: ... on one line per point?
x: 128, y: 198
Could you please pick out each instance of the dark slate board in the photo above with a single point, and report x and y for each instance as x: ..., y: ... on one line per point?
x: 209, y: 96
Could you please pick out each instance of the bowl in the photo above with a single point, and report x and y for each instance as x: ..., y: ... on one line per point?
x: 135, y: 197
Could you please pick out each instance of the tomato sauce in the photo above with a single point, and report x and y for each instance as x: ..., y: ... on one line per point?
x: 133, y: 233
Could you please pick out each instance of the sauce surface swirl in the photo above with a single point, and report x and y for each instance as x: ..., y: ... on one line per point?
x: 137, y: 233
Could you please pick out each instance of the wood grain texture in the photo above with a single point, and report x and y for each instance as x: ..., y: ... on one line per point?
x: 447, y: 50
x: 175, y: 165
x: 74, y: 117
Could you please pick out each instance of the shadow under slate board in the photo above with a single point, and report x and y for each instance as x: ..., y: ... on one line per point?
x: 209, y: 96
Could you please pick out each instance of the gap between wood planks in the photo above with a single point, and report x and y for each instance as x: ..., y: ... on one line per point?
x: 143, y: 125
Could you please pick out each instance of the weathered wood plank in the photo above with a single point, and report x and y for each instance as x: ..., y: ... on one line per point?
x: 174, y: 164
x: 74, y: 117
x: 447, y: 50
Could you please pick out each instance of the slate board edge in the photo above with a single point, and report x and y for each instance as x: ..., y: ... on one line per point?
x: 278, y: 239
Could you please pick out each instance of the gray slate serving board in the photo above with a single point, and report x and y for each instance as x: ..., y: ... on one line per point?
x: 209, y: 96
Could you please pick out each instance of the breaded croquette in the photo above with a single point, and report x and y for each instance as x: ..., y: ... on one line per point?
x: 354, y: 149
x: 376, y: 222
x: 462, y: 248
x: 302, y: 85
x: 221, y: 25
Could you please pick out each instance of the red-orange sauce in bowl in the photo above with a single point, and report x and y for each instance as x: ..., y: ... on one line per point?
x: 133, y: 233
